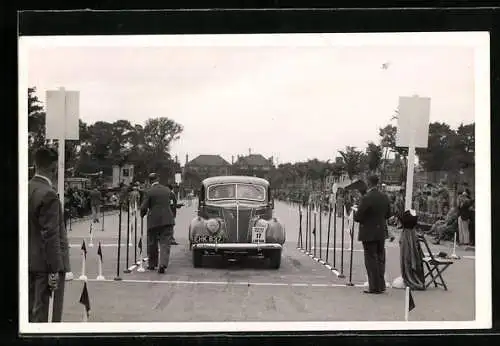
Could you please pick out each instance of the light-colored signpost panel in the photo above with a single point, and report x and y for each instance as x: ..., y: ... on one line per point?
x: 61, y: 123
x: 55, y: 114
x: 178, y: 178
x: 72, y: 118
x: 412, y: 132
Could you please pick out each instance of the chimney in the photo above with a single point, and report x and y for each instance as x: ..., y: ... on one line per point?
x: 176, y: 159
x: 187, y: 159
x: 249, y: 151
x: 232, y: 159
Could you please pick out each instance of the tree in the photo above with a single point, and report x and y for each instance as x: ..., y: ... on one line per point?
x: 353, y: 160
x: 465, y: 145
x: 440, y: 153
x: 374, y: 156
x: 36, y: 123
x: 159, y: 133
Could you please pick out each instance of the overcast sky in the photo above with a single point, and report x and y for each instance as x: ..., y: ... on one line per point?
x: 293, y: 103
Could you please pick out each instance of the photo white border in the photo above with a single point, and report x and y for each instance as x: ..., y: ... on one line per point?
x: 479, y: 41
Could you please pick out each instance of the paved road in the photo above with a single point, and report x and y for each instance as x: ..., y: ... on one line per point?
x: 302, y: 289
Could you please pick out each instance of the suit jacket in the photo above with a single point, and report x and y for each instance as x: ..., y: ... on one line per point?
x: 373, y: 211
x: 157, y: 205
x: 48, y: 241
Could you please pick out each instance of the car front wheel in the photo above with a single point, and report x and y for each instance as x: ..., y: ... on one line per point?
x: 197, y: 258
x: 275, y: 259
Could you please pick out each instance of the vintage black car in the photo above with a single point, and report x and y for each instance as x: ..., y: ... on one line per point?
x: 235, y: 218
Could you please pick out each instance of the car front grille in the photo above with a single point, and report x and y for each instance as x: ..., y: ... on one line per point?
x: 230, y: 218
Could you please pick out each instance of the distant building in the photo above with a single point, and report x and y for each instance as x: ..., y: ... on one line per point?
x: 253, y: 165
x: 393, y: 171
x: 204, y: 166
x: 123, y: 174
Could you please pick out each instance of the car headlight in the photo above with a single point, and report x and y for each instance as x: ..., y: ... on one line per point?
x: 213, y: 225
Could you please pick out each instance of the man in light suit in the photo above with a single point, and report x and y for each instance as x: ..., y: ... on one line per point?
x: 95, y: 203
x: 160, y: 223
x: 47, y: 241
x: 372, y: 215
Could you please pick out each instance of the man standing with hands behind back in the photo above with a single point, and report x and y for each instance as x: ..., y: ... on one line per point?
x: 156, y: 204
x: 48, y: 242
x: 372, y: 215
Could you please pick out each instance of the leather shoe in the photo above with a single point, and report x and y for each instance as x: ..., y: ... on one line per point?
x: 174, y: 243
x: 150, y: 268
x: 161, y: 269
x: 373, y: 292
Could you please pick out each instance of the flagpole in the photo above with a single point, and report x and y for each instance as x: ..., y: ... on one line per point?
x: 83, y: 276
x: 100, y: 277
x: 51, y: 306
x: 141, y: 265
x: 91, y: 244
x: 407, y: 302
x: 85, y: 317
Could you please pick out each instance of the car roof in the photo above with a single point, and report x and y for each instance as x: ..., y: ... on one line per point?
x: 235, y: 179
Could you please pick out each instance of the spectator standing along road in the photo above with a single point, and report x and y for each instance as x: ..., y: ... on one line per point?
x: 95, y: 203
x: 47, y: 241
x: 372, y: 214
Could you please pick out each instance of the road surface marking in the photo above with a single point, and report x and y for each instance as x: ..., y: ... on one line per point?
x: 469, y: 257
x: 224, y: 283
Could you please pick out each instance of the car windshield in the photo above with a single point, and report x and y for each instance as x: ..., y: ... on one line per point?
x: 237, y: 191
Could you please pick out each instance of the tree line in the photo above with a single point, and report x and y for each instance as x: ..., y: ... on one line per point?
x: 448, y: 150
x: 103, y: 144
x: 147, y: 147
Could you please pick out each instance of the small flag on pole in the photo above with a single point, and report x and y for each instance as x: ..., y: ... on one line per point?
x: 84, y: 248
x: 411, y: 304
x: 140, y: 245
x: 84, y: 299
x: 99, y: 251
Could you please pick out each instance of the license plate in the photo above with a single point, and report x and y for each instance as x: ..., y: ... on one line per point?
x: 208, y: 239
x: 258, y: 234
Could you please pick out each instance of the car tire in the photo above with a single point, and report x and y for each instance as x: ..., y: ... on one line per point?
x: 274, y: 259
x: 197, y: 258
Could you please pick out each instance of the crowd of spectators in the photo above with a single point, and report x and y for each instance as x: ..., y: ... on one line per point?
x: 442, y: 213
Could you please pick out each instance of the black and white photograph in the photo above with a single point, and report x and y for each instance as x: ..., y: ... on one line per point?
x: 256, y: 182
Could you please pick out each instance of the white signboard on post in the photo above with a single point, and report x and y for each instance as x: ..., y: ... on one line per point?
x: 62, y: 114
x: 413, y: 132
x: 178, y: 178
x: 413, y: 121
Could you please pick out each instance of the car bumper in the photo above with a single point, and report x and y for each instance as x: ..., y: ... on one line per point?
x: 237, y: 246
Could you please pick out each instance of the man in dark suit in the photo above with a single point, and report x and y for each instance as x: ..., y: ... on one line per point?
x: 372, y: 215
x: 48, y: 242
x: 160, y: 223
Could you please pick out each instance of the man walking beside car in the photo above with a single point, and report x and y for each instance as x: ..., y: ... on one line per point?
x: 160, y: 223
x: 48, y: 258
x: 372, y: 214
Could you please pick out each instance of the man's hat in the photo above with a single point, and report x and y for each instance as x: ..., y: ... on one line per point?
x: 153, y: 176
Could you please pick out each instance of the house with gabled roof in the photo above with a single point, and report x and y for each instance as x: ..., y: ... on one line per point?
x: 253, y: 164
x: 204, y: 166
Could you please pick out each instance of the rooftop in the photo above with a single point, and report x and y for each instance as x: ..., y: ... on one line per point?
x: 208, y: 160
